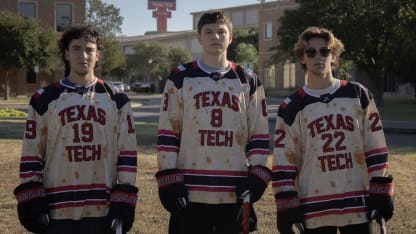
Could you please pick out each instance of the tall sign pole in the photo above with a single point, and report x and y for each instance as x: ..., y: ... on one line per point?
x: 161, y: 12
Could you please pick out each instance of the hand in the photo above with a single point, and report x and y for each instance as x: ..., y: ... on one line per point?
x: 32, y: 206
x: 172, y: 191
x: 289, y: 212
x: 123, y: 199
x: 256, y: 182
x: 380, y: 200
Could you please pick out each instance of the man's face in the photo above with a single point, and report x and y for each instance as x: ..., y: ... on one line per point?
x: 215, y: 38
x: 317, y: 58
x: 82, y: 56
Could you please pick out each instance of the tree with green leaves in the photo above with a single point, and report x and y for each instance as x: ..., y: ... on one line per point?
x: 24, y: 44
x: 246, y: 53
x: 105, y: 17
x: 113, y: 60
x: 373, y: 31
x: 153, y: 61
x: 107, y: 20
x: 244, y: 47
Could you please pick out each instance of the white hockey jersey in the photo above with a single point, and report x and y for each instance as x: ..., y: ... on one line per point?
x: 79, y: 142
x: 211, y: 126
x: 326, y: 148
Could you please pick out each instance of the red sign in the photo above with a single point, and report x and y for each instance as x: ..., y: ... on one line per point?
x: 154, y: 4
x: 161, y: 13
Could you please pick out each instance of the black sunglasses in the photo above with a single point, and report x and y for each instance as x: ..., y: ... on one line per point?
x: 312, y: 52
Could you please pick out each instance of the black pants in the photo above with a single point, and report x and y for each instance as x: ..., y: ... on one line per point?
x: 205, y: 219
x: 362, y: 228
x: 83, y: 226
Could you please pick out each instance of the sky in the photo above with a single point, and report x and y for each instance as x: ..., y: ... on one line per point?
x: 138, y: 19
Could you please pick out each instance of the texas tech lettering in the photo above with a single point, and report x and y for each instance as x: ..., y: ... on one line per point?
x: 217, y: 136
x: 216, y: 98
x: 83, y: 132
x: 331, y: 129
x: 82, y: 112
x: 336, y: 161
x: 331, y: 122
x: 80, y: 153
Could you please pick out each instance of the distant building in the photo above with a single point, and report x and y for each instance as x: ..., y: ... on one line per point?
x: 52, y: 14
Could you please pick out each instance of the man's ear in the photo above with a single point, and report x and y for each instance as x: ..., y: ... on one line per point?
x: 98, y: 56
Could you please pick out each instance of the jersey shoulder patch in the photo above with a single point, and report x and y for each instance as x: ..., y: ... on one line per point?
x: 42, y: 97
x: 187, y: 70
x: 290, y: 106
x: 361, y: 92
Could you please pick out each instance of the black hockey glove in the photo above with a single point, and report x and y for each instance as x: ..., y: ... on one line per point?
x: 123, y: 199
x: 381, y: 197
x: 32, y: 206
x: 172, y: 191
x: 289, y: 212
x: 257, y: 180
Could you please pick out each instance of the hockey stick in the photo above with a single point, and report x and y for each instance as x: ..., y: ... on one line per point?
x: 117, y: 225
x: 246, y: 212
x: 380, y: 220
x: 44, y: 219
x: 297, y: 228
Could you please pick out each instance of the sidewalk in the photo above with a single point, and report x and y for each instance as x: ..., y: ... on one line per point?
x: 402, y: 127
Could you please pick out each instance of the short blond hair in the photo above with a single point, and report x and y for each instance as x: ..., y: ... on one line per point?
x: 334, y: 43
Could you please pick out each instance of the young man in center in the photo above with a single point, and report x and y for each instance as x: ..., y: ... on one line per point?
x: 330, y: 155
x: 213, y: 137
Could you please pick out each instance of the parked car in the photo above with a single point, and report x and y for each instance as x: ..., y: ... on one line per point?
x: 118, y: 86
x: 126, y: 88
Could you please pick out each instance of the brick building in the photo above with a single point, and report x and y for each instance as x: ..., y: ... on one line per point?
x: 52, y: 14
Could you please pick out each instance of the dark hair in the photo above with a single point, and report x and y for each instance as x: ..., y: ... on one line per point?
x: 213, y: 17
x: 77, y: 32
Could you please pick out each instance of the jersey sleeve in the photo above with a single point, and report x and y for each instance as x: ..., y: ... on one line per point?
x: 34, y: 144
x: 258, y: 125
x: 375, y: 147
x: 127, y: 145
x: 170, y: 125
x: 286, y: 149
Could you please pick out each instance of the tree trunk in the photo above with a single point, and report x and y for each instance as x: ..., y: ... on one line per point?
x: 6, y: 87
x: 375, y: 83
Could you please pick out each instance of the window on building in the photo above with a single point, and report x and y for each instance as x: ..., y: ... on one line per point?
x: 31, y: 76
x: 63, y: 16
x: 27, y: 9
x: 268, y: 31
x: 289, y: 75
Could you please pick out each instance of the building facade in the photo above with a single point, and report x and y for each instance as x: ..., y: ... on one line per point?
x: 277, y: 77
x: 51, y: 14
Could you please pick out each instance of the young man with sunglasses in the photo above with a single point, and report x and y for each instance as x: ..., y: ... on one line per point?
x: 330, y: 154
x: 213, y: 138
